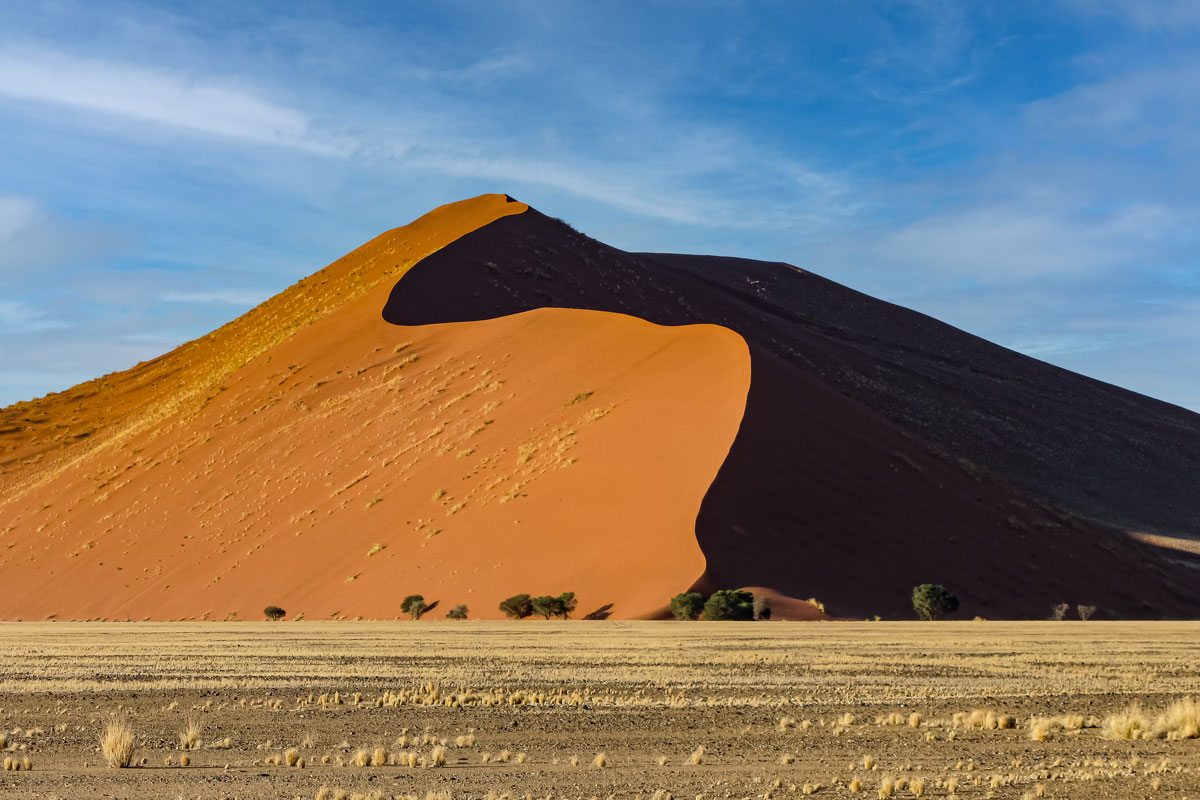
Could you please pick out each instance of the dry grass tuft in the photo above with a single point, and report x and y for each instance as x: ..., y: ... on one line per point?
x: 116, y: 743
x: 697, y: 756
x: 189, y: 737
x: 600, y: 761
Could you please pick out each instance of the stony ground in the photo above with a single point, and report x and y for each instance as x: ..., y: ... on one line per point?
x: 524, y: 709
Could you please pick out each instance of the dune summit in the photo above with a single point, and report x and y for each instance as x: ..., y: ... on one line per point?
x: 486, y: 402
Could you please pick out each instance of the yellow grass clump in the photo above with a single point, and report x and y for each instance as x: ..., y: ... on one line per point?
x: 116, y: 743
x: 189, y: 737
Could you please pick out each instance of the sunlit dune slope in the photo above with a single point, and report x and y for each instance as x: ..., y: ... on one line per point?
x: 54, y: 429
x: 354, y: 462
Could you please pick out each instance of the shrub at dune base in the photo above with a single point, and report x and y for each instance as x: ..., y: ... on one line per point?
x: 933, y: 601
x: 729, y: 604
x: 413, y: 605
x: 274, y: 613
x: 458, y: 612
x: 687, y: 605
x: 518, y: 606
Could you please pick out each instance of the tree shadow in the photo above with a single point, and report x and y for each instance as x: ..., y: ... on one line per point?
x: 429, y: 608
x: 603, y: 612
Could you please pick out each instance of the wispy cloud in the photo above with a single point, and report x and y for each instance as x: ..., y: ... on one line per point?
x: 194, y: 103
x: 230, y: 297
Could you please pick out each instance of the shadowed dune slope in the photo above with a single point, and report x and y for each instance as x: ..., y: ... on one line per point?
x: 334, y: 467
x: 879, y: 448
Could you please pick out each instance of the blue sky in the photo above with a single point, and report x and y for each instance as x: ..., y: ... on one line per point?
x: 1025, y: 171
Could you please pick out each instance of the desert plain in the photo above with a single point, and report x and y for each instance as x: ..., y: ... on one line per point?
x: 624, y: 709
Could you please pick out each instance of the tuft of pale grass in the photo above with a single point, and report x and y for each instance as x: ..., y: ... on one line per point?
x: 379, y: 758
x: 1041, y: 728
x: 291, y: 756
x: 855, y: 786
x: 600, y: 761
x: 1131, y: 723
x: 787, y: 758
x: 189, y: 737
x: 662, y: 761
x: 520, y: 758
x: 437, y: 757
x: 917, y: 787
x: 116, y: 743
x: 185, y: 760
x: 574, y: 761
x: 887, y: 787
x: 697, y: 756
x: 361, y: 758
x: 1181, y: 720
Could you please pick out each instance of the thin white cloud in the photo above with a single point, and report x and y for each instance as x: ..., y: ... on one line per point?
x: 1157, y: 15
x: 162, y: 97
x: 231, y: 297
x: 16, y: 213
x: 17, y: 316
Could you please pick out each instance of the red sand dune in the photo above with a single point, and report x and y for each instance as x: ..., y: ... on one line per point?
x: 354, y: 462
x: 486, y: 402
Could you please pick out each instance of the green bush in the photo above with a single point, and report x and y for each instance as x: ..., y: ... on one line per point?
x: 274, y: 613
x: 413, y: 605
x: 549, y: 606
x: 687, y: 605
x: 458, y: 612
x: 735, y: 604
x: 933, y: 601
x: 517, y: 607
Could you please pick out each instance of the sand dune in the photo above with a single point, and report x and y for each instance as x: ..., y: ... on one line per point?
x: 854, y: 474
x: 487, y: 402
x: 355, y: 462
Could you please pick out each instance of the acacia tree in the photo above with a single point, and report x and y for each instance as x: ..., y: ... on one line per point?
x: 274, y: 613
x: 548, y: 606
x: 687, y: 605
x: 736, y: 604
x: 568, y: 604
x: 413, y: 605
x: 518, y: 606
x: 458, y: 612
x: 933, y: 601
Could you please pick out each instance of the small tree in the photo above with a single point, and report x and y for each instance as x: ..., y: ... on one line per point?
x: 736, y: 604
x: 517, y: 607
x: 548, y: 606
x: 933, y: 601
x: 458, y: 612
x: 1060, y: 611
x: 413, y: 605
x: 274, y: 613
x: 1085, y: 612
x: 762, y: 608
x: 568, y: 604
x: 687, y: 605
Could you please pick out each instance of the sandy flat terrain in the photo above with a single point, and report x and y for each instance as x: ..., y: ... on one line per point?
x: 781, y: 709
